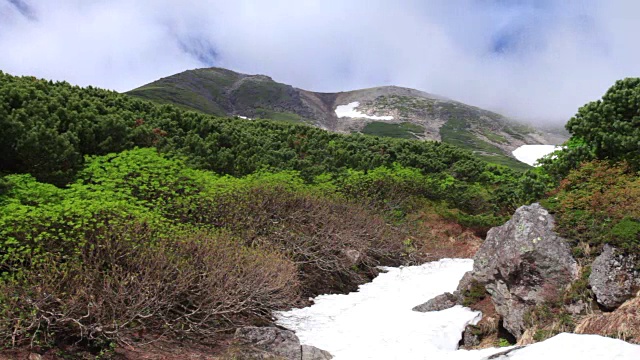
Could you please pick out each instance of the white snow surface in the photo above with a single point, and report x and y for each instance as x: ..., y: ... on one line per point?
x: 350, y: 111
x: 529, y: 154
x: 377, y: 323
x: 572, y: 346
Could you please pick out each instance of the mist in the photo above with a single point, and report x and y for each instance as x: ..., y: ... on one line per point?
x: 536, y: 60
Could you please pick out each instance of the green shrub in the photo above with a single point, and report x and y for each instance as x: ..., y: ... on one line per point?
x: 474, y: 294
x: 597, y: 204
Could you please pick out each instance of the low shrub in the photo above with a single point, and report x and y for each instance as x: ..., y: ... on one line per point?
x: 599, y: 203
x: 121, y: 285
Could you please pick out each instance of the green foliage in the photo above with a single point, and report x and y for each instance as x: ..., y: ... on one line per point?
x: 502, y: 342
x: 474, y: 294
x: 627, y: 231
x: 580, y: 289
x: 607, y: 129
x: 403, y: 130
x: 457, y: 131
x: 136, y: 219
x: 50, y: 128
x: 597, y: 204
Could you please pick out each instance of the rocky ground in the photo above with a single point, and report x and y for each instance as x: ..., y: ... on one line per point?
x: 537, y: 289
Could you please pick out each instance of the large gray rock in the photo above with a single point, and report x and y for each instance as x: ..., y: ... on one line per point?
x: 614, y: 278
x: 448, y: 300
x: 440, y: 302
x: 279, y: 342
x: 524, y: 263
x: 313, y: 353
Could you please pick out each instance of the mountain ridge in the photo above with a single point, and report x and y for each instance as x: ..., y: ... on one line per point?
x: 408, y: 113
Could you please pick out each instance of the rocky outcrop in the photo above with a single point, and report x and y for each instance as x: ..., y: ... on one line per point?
x: 440, y: 302
x: 614, y: 277
x: 274, y: 342
x: 524, y: 263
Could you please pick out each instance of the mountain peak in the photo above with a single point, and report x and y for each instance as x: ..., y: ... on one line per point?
x: 383, y: 110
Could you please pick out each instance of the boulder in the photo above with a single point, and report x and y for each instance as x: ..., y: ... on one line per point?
x: 614, y: 278
x: 449, y: 300
x: 524, y: 263
x: 440, y: 302
x: 470, y: 337
x: 279, y: 343
x: 313, y: 353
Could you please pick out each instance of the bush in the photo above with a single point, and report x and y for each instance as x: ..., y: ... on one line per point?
x: 607, y: 129
x: 599, y: 203
x: 122, y: 285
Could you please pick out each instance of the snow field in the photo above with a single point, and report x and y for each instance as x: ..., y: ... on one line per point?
x: 377, y: 323
x: 350, y: 111
x: 529, y: 154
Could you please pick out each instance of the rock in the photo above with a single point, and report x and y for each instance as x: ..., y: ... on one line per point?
x: 577, y: 308
x: 524, y: 263
x: 313, y: 353
x: 279, y: 342
x: 614, y: 278
x: 504, y: 354
x: 466, y: 282
x: 352, y: 255
x: 440, y: 302
x: 470, y: 337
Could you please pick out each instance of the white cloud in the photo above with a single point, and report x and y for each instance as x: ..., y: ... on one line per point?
x: 551, y: 56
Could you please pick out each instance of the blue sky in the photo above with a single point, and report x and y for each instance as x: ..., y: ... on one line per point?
x: 532, y: 59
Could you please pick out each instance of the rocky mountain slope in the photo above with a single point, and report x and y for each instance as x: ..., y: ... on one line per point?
x: 383, y: 111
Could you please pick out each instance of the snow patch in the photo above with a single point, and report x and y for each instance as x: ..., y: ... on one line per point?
x: 529, y: 154
x: 573, y: 346
x: 377, y: 322
x: 350, y: 111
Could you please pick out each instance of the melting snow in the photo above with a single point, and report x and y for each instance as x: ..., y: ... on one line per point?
x: 377, y: 322
x: 572, y: 346
x: 529, y: 154
x: 351, y: 112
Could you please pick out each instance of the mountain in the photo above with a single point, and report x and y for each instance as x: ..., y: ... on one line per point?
x: 383, y: 111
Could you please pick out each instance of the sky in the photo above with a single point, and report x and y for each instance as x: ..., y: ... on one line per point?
x: 538, y: 60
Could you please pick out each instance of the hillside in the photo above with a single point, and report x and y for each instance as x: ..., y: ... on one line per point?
x: 382, y: 111
x: 103, y: 197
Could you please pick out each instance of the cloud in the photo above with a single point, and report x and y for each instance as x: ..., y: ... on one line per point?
x: 533, y: 59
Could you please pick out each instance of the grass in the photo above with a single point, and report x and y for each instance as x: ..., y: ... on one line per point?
x: 494, y: 137
x: 506, y: 161
x: 403, y: 130
x: 285, y: 117
x: 457, y: 132
x: 172, y: 95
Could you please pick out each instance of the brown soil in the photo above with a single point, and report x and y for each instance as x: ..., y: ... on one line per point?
x: 437, y: 238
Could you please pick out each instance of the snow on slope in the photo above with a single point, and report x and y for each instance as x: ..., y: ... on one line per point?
x: 377, y: 322
x: 350, y: 111
x: 529, y: 154
x: 572, y: 346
